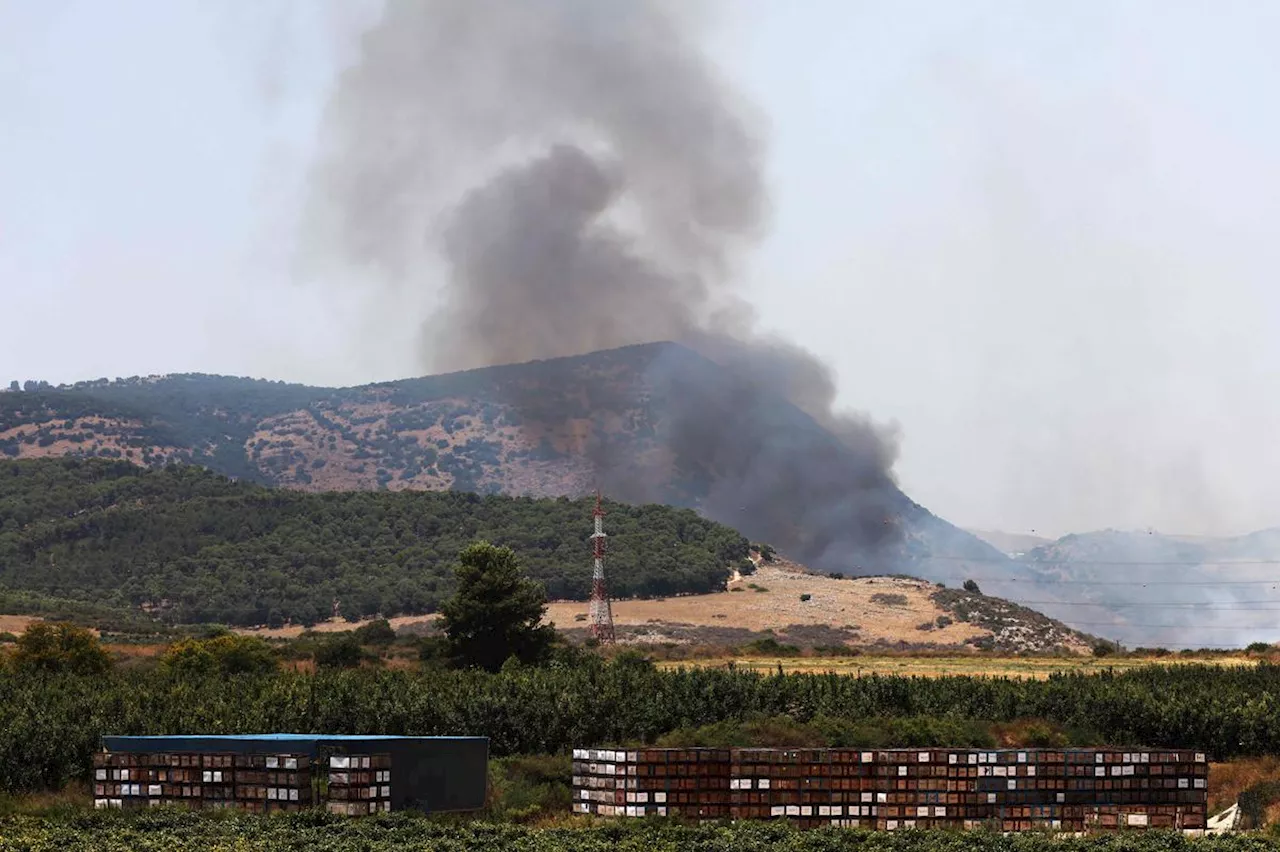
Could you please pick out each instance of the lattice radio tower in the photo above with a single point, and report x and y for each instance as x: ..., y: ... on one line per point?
x: 601, y: 611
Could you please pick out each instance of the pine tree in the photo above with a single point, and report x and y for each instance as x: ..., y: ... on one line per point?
x: 496, y: 612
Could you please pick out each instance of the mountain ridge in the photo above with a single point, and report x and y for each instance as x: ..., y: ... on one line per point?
x: 554, y: 427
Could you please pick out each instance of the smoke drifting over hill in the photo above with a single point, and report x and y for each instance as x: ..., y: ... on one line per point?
x: 579, y: 178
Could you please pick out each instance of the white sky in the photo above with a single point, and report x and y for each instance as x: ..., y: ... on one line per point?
x: 1038, y: 236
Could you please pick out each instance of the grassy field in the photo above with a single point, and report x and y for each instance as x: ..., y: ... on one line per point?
x: 941, y: 666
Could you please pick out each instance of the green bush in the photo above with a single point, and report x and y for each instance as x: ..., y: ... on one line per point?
x: 55, y: 648
x: 228, y: 654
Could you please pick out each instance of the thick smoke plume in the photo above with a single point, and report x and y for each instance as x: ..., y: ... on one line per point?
x: 580, y: 178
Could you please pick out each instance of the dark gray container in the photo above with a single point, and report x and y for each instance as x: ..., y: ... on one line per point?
x: 429, y: 774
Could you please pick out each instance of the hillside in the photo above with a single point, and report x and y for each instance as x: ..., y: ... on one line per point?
x: 1157, y: 590
x: 192, y: 546
x: 801, y: 608
x: 550, y: 428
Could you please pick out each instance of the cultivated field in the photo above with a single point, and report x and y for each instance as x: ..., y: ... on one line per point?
x: 977, y: 665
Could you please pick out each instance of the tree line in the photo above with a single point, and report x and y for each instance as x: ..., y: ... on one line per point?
x: 191, y: 546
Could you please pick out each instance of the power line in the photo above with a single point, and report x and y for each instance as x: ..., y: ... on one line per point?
x: 1051, y: 581
x: 1243, y: 607
x: 1107, y: 562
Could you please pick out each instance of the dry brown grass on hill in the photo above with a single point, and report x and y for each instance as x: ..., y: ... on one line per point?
x: 16, y: 624
x: 770, y: 599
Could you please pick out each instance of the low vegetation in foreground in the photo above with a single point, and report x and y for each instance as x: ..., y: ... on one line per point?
x: 194, y: 832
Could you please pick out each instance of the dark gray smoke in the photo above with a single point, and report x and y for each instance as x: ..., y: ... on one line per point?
x: 580, y: 178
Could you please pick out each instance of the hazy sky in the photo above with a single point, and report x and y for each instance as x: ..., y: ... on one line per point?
x: 1037, y: 236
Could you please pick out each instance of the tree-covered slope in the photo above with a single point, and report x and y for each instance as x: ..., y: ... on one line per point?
x: 194, y: 546
x: 656, y: 423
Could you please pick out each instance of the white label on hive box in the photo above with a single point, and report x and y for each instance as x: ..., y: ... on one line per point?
x: 364, y: 762
x: 1022, y: 757
x: 764, y: 784
x: 208, y: 777
x: 660, y: 798
x: 939, y: 812
x: 1013, y: 785
x: 777, y: 810
x: 892, y: 825
x: 806, y: 810
x: 1199, y: 784
x: 1031, y: 770
x: 923, y: 811
x: 902, y: 770
x: 973, y: 758
x: 153, y: 790
x: 951, y: 759
x: 1146, y: 757
x: 991, y: 798
x: 339, y: 761
x: 293, y: 795
x: 1062, y: 797
x: 868, y: 757
x: 793, y: 810
x: 923, y: 757
x: 1137, y: 819
x: 291, y: 763
x: 1182, y: 784
x: 273, y: 762
x: 1097, y: 758
x: 1200, y: 758
x: 882, y: 798
x: 867, y: 797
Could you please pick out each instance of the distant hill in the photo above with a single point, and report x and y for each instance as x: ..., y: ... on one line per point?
x: 1156, y: 590
x: 550, y: 428
x: 189, y: 545
x: 1011, y: 544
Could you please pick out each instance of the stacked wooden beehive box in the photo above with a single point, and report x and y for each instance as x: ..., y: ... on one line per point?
x: 1008, y: 790
x: 662, y: 782
x: 348, y: 784
x: 273, y: 782
x: 358, y: 784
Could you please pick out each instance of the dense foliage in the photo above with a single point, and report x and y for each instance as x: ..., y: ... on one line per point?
x: 496, y: 612
x: 193, y: 832
x: 51, y: 723
x: 194, y: 546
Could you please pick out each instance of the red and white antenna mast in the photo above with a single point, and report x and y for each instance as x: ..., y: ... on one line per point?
x: 601, y: 611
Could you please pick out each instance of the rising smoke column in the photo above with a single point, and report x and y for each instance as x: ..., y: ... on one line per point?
x: 573, y: 175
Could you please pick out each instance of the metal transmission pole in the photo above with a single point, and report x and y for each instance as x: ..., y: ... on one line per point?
x: 601, y: 611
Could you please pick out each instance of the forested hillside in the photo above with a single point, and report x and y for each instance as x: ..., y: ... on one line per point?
x: 190, y: 545
x: 618, y: 419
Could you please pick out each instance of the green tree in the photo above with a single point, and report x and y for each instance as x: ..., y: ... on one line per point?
x: 377, y: 633
x: 971, y: 586
x: 60, y: 648
x: 340, y: 652
x: 228, y: 654
x: 496, y: 612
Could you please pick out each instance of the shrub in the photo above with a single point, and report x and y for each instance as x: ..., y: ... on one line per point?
x: 60, y: 648
x: 378, y: 633
x: 805, y: 597
x: 943, y: 621
x: 340, y: 652
x: 1260, y: 648
x: 746, y: 567
x: 887, y: 599
x: 228, y: 654
x: 971, y: 586
x: 7, y: 638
